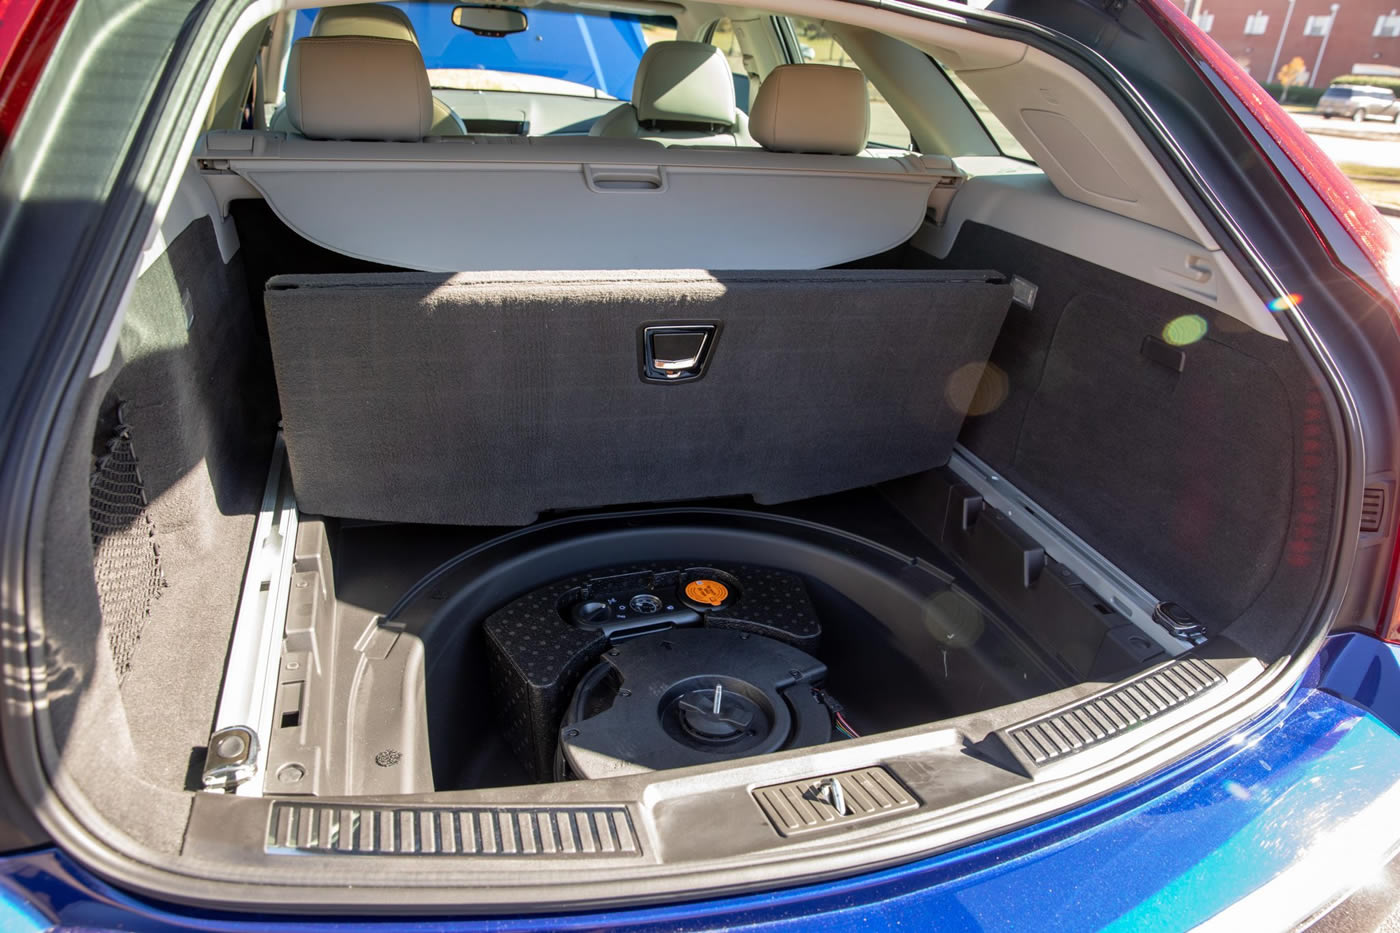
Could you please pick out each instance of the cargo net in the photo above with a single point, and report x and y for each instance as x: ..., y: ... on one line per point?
x: 125, y: 557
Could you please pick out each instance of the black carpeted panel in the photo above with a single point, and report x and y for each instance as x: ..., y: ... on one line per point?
x: 1210, y: 486
x: 1151, y: 445
x: 197, y: 406
x: 198, y: 401
x: 490, y: 397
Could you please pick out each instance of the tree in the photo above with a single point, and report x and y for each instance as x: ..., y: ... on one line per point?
x: 1291, y: 74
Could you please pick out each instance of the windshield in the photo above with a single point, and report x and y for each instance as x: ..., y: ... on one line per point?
x: 593, y: 54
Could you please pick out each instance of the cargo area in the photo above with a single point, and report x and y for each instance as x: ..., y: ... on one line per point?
x: 524, y: 644
x: 419, y: 658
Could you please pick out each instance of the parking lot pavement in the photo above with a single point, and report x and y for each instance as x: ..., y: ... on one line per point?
x: 1379, y: 129
x: 1370, y: 143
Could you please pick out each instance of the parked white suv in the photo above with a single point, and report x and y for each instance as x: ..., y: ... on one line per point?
x: 1357, y: 102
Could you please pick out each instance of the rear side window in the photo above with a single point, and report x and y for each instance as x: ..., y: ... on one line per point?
x: 1337, y: 93
x: 724, y: 38
x: 820, y: 48
x: 656, y: 29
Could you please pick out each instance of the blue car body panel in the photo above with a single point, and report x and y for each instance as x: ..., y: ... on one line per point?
x: 1167, y: 853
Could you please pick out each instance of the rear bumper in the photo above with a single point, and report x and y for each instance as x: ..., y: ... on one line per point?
x: 1258, y: 831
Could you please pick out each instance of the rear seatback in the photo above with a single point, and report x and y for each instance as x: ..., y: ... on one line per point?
x: 488, y: 398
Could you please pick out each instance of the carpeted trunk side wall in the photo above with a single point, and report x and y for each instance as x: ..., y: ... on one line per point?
x: 148, y: 534
x: 1192, y: 451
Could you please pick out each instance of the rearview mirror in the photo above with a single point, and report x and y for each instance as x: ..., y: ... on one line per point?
x: 491, y: 21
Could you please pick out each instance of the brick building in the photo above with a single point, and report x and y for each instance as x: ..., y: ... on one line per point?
x: 1350, y: 36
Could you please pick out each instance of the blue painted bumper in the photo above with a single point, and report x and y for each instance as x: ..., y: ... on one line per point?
x: 1165, y: 854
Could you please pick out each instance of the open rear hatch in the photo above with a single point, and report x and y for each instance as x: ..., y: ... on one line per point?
x: 520, y: 589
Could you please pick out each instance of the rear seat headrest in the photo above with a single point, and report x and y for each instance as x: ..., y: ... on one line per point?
x: 812, y: 108
x: 364, y: 19
x: 358, y: 87
x: 684, y: 82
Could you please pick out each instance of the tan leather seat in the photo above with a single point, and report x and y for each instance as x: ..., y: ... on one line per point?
x: 374, y: 20
x: 358, y: 87
x: 683, y: 94
x: 812, y: 108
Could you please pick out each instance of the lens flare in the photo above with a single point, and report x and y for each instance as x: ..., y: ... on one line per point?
x: 977, y: 388
x: 953, y: 619
x: 1287, y: 302
x: 1185, y: 330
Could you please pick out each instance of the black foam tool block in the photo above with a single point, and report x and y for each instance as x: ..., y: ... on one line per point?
x: 537, y: 654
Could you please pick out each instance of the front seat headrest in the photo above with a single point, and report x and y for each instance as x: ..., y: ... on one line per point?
x: 812, y: 108
x: 364, y: 19
x: 358, y: 87
x: 684, y: 82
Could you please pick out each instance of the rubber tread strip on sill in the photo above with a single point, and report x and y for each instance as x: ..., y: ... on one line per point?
x: 1084, y: 724
x: 338, y: 829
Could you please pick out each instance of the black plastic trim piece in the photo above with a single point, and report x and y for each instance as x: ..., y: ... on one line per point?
x: 1164, y: 354
x: 1373, y: 509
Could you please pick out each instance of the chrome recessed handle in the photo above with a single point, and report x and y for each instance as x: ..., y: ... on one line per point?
x: 676, y: 352
x: 672, y: 365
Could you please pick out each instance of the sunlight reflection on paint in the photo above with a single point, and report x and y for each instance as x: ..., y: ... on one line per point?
x: 1286, y: 302
x: 1185, y: 330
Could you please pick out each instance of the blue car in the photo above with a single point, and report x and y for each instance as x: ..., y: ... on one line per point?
x: 648, y: 464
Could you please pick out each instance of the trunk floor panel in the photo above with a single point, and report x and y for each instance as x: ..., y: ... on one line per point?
x: 887, y: 679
